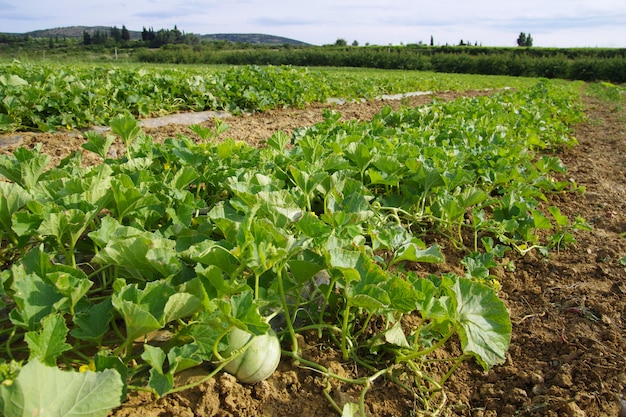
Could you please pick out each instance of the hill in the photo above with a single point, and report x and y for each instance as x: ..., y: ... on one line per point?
x: 77, y: 32
x: 257, y: 38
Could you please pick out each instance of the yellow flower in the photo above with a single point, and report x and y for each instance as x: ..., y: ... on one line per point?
x: 88, y: 367
x: 166, y: 166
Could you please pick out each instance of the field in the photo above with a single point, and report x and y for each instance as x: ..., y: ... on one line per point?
x: 473, y: 241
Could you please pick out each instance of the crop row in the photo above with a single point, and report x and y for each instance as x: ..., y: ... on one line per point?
x: 589, y: 64
x: 317, y: 232
x: 48, y: 97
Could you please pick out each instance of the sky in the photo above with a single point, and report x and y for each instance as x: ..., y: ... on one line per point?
x: 551, y: 23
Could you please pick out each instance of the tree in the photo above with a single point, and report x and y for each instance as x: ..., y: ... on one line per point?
x: 116, y: 34
x: 86, y: 38
x: 341, y: 42
x: 355, y: 43
x: 98, y: 38
x: 432, y: 40
x: 524, y: 40
x: 147, y: 34
x: 125, y: 34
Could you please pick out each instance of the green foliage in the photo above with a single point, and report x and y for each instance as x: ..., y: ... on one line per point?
x: 575, y: 63
x: 55, y: 96
x: 45, y: 390
x: 191, y: 240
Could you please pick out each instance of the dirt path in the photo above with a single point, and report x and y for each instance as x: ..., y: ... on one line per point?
x: 568, y: 352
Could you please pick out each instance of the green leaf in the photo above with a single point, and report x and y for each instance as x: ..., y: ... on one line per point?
x: 12, y: 80
x: 359, y: 154
x: 183, y: 357
x: 154, y: 356
x: 350, y: 410
x: 477, y: 264
x: 180, y: 305
x: 243, y: 312
x: 429, y: 304
x: 67, y: 227
x: 144, y: 257
x: 481, y: 318
x: 183, y: 177
x: 35, y: 299
x: 205, y: 332
x: 41, y: 287
x: 428, y: 178
x: 561, y: 220
x: 98, y: 143
x: 126, y: 127
x: 71, y: 283
x: 413, y: 252
x: 160, y: 383
x: 139, y: 321
x: 403, y: 296
x: 24, y: 167
x: 12, y: 198
x: 93, y: 323
x: 49, y: 343
x: 395, y: 335
x: 41, y: 390
x: 278, y: 140
x: 211, y: 253
x: 540, y: 221
x: 128, y: 198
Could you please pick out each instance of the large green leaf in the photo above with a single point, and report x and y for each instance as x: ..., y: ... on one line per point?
x: 481, y: 318
x: 49, y: 343
x: 180, y: 305
x: 12, y: 198
x: 12, y: 80
x: 143, y: 257
x: 413, y: 251
x: 34, y: 299
x: 41, y: 390
x: 93, y: 323
x: 25, y: 166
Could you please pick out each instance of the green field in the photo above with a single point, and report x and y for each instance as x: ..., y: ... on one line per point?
x: 47, y: 96
x: 312, y: 232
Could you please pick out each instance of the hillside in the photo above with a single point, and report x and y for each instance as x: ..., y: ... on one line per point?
x: 77, y: 32
x: 252, y: 38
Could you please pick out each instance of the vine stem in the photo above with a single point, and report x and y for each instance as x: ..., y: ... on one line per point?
x: 414, y: 355
x: 283, y: 300
x: 365, y: 381
x: 344, y: 332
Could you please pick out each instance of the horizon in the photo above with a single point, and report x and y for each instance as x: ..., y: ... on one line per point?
x: 573, y: 23
x: 423, y: 43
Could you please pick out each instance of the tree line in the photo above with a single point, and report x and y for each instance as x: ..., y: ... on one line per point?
x: 149, y: 37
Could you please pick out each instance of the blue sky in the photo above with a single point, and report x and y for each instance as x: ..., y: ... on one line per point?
x: 552, y: 23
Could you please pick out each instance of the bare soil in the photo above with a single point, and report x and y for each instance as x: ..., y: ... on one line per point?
x: 567, y: 355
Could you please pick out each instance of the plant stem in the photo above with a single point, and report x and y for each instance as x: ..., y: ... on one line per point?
x: 425, y: 352
x: 283, y: 300
x: 344, y: 332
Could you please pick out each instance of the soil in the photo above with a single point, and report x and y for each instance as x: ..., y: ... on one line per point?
x: 567, y: 354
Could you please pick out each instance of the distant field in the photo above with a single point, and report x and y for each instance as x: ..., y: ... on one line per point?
x: 47, y: 96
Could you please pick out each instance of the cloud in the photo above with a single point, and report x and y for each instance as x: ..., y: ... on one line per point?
x: 588, y: 21
x: 285, y: 21
x: 4, y: 6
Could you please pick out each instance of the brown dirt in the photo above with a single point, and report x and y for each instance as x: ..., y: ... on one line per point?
x: 567, y: 355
